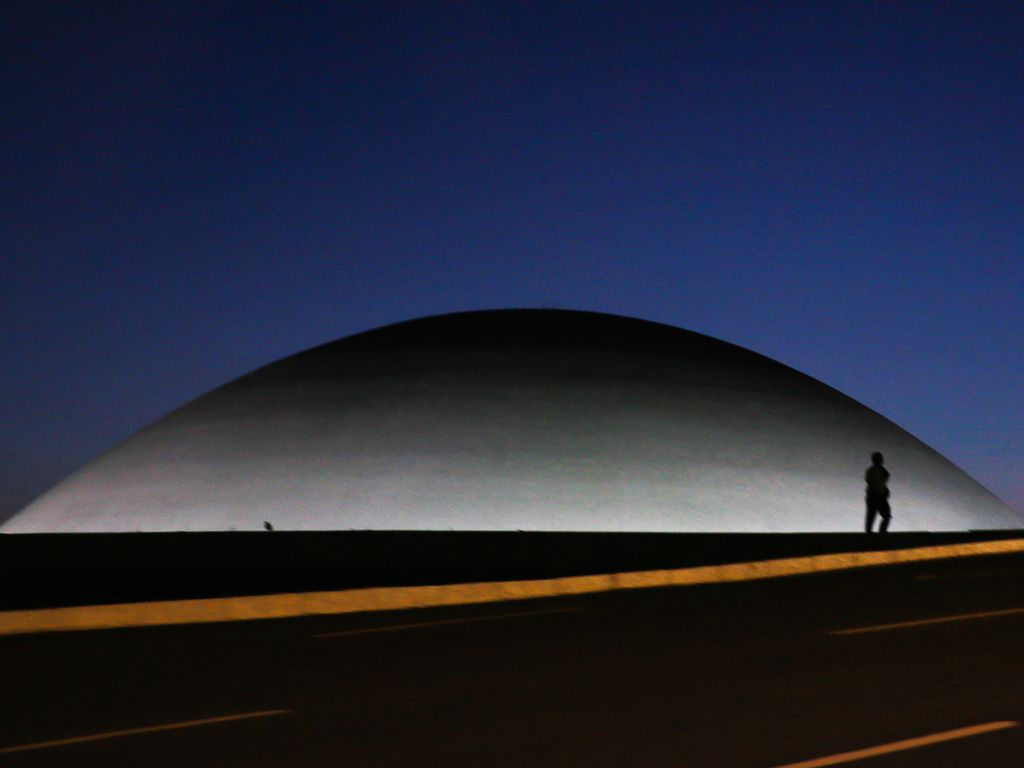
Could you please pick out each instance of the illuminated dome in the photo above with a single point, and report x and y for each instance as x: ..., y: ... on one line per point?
x: 516, y: 419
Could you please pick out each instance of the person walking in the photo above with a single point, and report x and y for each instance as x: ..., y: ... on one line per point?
x: 877, y: 494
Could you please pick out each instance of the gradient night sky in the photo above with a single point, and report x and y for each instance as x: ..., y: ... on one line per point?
x: 191, y: 191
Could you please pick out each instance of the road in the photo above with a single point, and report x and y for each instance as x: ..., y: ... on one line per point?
x: 753, y: 674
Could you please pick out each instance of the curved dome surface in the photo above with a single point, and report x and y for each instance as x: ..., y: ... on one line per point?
x: 516, y: 419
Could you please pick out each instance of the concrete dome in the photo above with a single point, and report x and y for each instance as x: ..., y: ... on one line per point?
x: 528, y: 419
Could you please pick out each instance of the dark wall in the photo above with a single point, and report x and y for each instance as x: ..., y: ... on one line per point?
x: 76, y: 569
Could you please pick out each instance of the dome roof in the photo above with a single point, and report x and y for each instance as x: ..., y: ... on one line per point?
x: 516, y: 419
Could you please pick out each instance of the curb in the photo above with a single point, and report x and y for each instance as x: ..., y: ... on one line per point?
x: 296, y: 604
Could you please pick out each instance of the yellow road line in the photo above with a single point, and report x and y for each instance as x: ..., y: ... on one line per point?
x: 900, y: 746
x: 925, y: 622
x: 401, y: 598
x: 144, y: 729
x: 465, y: 620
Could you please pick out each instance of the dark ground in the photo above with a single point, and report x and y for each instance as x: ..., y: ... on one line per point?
x: 733, y: 675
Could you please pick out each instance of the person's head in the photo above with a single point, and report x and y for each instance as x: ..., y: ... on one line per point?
x: 877, y: 459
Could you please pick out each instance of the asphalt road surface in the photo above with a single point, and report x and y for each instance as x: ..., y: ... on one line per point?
x: 919, y: 665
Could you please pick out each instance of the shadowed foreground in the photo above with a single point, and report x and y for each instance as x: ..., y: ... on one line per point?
x: 739, y: 675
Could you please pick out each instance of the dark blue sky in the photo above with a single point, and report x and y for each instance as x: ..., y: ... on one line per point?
x: 191, y: 191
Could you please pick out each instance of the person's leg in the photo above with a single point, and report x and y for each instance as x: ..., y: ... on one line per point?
x: 886, y: 514
x: 869, y: 518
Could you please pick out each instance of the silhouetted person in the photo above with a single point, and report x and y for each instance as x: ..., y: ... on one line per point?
x: 877, y: 494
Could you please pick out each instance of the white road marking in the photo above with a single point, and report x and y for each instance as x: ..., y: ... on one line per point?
x: 465, y: 620
x: 144, y: 729
x: 925, y: 622
x: 900, y: 746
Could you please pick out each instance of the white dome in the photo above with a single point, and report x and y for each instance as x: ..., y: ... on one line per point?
x: 516, y: 419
